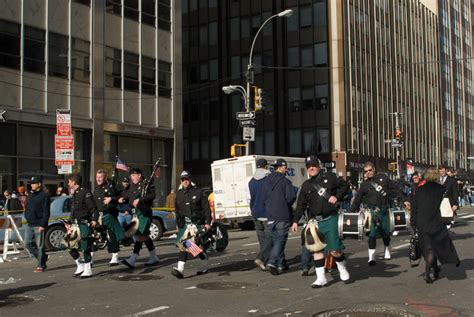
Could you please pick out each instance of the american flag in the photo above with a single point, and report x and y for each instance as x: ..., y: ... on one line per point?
x: 192, y: 247
x: 120, y: 165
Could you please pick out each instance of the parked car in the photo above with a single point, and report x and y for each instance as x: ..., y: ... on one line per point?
x: 164, y: 219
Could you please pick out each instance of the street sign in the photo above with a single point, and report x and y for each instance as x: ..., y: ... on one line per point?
x: 245, y: 115
x: 65, y: 169
x: 249, y: 134
x: 64, y: 150
x: 2, y: 116
x: 247, y: 123
x: 63, y: 122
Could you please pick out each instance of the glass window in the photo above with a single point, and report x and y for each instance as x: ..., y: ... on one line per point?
x: 148, y: 12
x: 85, y: 2
x: 204, y: 148
x: 235, y: 29
x: 322, y: 93
x: 244, y: 28
x: 113, y: 67
x: 256, y: 23
x: 148, y: 75
x: 184, y: 6
x: 203, y: 72
x: 34, y: 50
x: 202, y: 4
x: 319, y: 13
x: 164, y: 79
x: 7, y: 144
x: 164, y: 15
x: 130, y: 71
x: 203, y: 35
x: 235, y: 67
x: 193, y: 5
x: 307, y: 56
x: 58, y: 55
x: 80, y: 60
x: 306, y: 16
x: 114, y: 6
x: 130, y: 9
x: 9, y: 44
x: 128, y: 147
x: 267, y: 58
x: 293, y: 56
x: 213, y: 33
x: 215, y: 147
x: 267, y: 30
x: 309, y: 142
x: 294, y: 99
x: 295, y: 141
x: 269, y: 143
x: 212, y: 3
x: 110, y: 147
x: 292, y: 22
x: 321, y: 54
x: 307, y: 98
x: 323, y: 136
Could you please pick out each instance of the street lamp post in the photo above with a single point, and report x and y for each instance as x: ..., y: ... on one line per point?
x: 249, y: 75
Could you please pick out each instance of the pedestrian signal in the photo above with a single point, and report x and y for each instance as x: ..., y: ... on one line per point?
x: 258, y: 98
x: 237, y: 150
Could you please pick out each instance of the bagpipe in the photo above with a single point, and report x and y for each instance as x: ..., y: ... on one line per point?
x: 132, y: 227
x: 72, y: 238
x: 215, y: 239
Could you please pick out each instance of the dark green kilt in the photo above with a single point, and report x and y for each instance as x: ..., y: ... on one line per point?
x: 86, y: 237
x: 328, y: 227
x: 112, y: 224
x: 380, y: 227
x: 144, y: 219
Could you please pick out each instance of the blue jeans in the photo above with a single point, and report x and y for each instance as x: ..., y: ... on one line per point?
x: 264, y: 239
x: 34, y: 241
x: 124, y: 219
x: 279, y: 231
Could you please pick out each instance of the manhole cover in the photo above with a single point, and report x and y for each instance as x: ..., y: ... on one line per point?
x: 222, y: 286
x: 127, y: 278
x: 15, y: 300
x: 366, y: 312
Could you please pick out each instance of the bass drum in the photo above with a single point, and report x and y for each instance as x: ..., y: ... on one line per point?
x: 399, y: 220
x: 351, y: 225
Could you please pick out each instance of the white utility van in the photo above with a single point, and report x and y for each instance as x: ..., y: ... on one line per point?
x: 230, y: 179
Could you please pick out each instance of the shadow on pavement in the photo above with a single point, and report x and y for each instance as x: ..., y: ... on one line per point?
x: 20, y: 290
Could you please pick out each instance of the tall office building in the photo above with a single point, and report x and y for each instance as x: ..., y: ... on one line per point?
x: 112, y: 63
x: 333, y: 75
x: 455, y: 25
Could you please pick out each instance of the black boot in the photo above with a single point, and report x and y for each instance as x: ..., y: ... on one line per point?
x: 428, y: 278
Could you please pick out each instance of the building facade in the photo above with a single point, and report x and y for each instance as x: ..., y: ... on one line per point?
x: 455, y: 25
x: 333, y: 74
x: 112, y: 63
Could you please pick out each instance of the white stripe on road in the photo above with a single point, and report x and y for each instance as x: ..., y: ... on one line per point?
x: 465, y: 217
x: 401, y: 246
x: 255, y: 243
x: 149, y: 311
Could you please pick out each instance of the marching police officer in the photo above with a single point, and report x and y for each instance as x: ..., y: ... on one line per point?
x: 84, y: 214
x: 192, y: 209
x: 141, y: 202
x: 319, y: 197
x: 374, y: 193
x: 106, y: 200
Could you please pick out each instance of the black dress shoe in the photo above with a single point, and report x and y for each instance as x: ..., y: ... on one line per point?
x: 273, y: 270
x: 436, y: 271
x: 372, y: 263
x: 428, y: 279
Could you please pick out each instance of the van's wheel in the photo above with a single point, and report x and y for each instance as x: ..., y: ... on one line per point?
x: 54, y: 237
x: 156, y: 230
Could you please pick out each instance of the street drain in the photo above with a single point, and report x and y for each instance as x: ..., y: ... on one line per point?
x: 222, y: 286
x: 136, y: 278
x: 15, y: 300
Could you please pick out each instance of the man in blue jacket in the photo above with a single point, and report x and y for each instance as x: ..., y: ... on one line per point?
x: 259, y: 214
x: 37, y: 216
x: 278, y: 196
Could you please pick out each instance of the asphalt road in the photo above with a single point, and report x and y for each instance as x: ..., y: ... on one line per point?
x: 234, y: 287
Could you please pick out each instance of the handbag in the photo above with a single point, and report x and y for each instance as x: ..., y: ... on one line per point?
x: 414, y: 249
x: 445, y: 208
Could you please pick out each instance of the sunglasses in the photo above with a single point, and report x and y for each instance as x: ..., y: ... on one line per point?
x: 369, y: 170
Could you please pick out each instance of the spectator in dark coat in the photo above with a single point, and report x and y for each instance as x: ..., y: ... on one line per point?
x: 451, y: 191
x: 278, y: 196
x: 435, y: 241
x: 11, y: 203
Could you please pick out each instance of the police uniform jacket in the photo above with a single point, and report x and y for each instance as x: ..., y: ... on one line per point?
x: 375, y: 193
x: 192, y: 203
x: 315, y: 203
x: 145, y: 202
x: 106, y: 190
x: 83, y: 205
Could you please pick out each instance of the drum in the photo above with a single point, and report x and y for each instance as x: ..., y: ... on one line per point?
x: 399, y: 220
x: 351, y: 225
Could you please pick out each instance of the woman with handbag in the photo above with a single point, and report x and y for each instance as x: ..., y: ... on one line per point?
x: 436, y: 244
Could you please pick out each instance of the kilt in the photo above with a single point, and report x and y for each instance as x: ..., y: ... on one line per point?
x: 112, y: 224
x: 144, y: 222
x: 86, y: 237
x: 380, y: 227
x: 328, y: 227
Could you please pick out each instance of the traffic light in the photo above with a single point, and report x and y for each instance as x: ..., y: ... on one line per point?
x: 258, y: 98
x: 237, y: 150
x: 399, y: 135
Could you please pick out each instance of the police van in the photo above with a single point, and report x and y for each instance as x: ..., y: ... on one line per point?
x: 230, y: 179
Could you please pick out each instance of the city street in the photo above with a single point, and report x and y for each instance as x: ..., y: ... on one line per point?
x: 234, y: 287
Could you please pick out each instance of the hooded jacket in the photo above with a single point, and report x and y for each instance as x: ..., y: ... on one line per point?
x: 37, y: 209
x: 278, y: 195
x: 255, y: 187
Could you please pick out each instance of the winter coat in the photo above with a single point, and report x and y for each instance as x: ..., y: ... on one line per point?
x: 255, y: 187
x: 278, y: 195
x: 38, y: 209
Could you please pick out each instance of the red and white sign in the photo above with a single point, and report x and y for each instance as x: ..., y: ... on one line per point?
x: 63, y: 122
x: 64, y: 150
